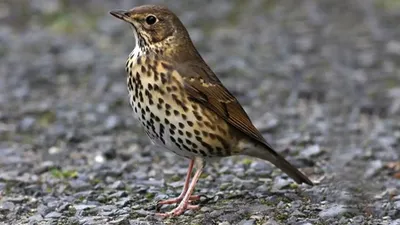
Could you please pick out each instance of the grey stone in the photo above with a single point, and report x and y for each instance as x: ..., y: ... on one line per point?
x: 79, y: 185
x: 7, y: 206
x: 373, y: 168
x: 112, y: 122
x: 123, y: 202
x: 118, y: 185
x: 54, y: 215
x: 247, y: 222
x: 83, y: 206
x: 280, y: 183
x: 27, y: 123
x: 271, y: 222
x: 333, y: 211
x: 35, y: 218
x: 311, y: 151
x: 45, y: 166
x: 121, y: 220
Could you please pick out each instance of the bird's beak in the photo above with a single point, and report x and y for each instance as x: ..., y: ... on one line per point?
x: 120, y: 14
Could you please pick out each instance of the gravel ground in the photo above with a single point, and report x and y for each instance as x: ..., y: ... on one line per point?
x: 321, y: 80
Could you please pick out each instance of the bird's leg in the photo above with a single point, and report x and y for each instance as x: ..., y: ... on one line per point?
x: 185, y: 188
x: 185, y: 204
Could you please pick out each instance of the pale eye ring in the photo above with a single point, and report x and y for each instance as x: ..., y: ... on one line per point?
x: 151, y: 19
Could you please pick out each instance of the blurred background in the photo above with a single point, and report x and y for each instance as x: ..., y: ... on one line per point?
x: 320, y: 79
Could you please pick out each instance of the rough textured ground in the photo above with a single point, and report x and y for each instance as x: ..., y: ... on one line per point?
x: 321, y: 79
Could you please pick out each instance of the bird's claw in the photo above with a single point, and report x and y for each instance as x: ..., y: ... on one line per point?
x: 178, y: 210
x: 192, y: 199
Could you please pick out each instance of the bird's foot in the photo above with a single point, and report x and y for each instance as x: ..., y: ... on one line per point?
x: 178, y: 210
x: 177, y: 200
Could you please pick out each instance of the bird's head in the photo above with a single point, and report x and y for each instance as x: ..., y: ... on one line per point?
x: 155, y: 27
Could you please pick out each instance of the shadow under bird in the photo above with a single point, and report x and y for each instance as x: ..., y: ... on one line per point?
x: 181, y: 103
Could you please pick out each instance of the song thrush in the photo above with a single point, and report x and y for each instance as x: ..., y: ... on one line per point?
x: 181, y: 103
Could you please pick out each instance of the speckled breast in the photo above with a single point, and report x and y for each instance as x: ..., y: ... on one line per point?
x: 169, y: 118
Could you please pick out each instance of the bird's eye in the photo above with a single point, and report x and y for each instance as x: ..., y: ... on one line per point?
x: 151, y: 20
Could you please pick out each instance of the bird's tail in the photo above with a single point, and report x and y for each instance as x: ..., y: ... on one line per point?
x: 264, y: 151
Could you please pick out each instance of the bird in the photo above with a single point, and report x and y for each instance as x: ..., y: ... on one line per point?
x: 181, y: 103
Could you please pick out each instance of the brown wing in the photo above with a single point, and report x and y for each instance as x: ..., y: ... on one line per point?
x: 204, y: 87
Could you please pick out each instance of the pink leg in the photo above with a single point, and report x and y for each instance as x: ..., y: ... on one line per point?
x: 184, y: 205
x: 185, y: 188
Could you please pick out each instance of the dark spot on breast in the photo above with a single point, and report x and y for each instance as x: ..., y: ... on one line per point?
x: 180, y: 140
x: 139, y: 60
x: 141, y: 97
x: 160, y: 100
x: 166, y: 66
x: 203, y: 153
x: 181, y: 125
x: 207, y: 124
x: 196, y: 132
x: 157, y: 119
x: 180, y: 132
x: 173, y: 126
x: 163, y: 78
x: 167, y: 113
x: 174, y: 88
x: 212, y: 136
x: 219, y: 151
x: 156, y: 88
x: 130, y: 84
x: 162, y: 130
x: 176, y: 112
x: 199, y: 139
x: 189, y: 142
x: 167, y: 106
x: 190, y: 123
x: 171, y: 131
x: 184, y: 116
x: 208, y: 147
x: 159, y: 106
x: 187, y: 148
x: 188, y: 134
x: 169, y: 89
x: 205, y: 133
x: 143, y: 69
x: 220, y: 129
x: 197, y: 115
x: 143, y: 112
x: 156, y: 77
x: 166, y: 121
x: 194, y: 145
x: 151, y: 101
x: 224, y: 143
x: 172, y: 139
x: 139, y: 105
x: 147, y: 59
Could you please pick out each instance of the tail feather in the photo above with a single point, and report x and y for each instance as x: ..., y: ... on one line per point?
x: 267, y: 153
